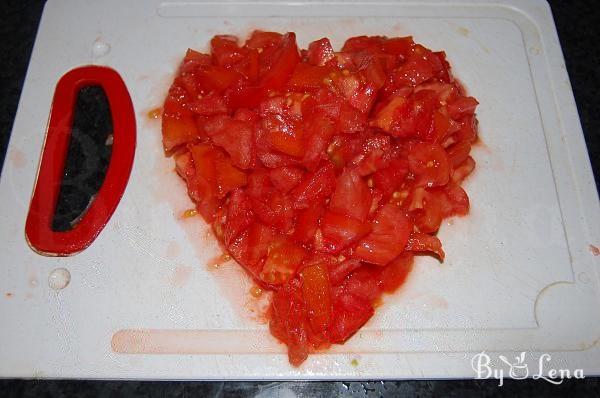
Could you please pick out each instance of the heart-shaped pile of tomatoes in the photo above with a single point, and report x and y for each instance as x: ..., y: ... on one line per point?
x: 321, y: 172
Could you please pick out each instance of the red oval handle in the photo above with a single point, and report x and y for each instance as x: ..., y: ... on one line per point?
x: 38, y: 228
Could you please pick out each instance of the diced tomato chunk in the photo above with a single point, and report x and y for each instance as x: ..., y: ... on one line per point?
x: 314, y: 187
x: 316, y: 292
x: 388, y: 237
x: 178, y: 131
x: 320, y: 52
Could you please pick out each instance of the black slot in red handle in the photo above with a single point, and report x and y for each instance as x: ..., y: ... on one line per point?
x: 38, y: 229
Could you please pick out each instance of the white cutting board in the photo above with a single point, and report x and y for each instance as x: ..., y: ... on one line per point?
x: 519, y: 274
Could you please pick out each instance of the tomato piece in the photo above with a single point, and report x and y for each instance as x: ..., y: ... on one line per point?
x: 314, y: 187
x: 376, y: 153
x: 178, y: 131
x: 283, y: 258
x: 388, y: 237
x: 427, y: 213
x: 176, y: 102
x: 352, y: 196
x: 463, y: 170
x: 458, y: 198
x: 375, y: 72
x: 241, y: 96
x: 228, y: 177
x: 358, y: 43
x: 204, y: 157
x: 225, y: 50
x: 239, y: 216
x: 388, y: 179
x: 398, y: 46
x: 365, y: 283
x: 309, y: 78
x: 209, y: 105
x: 289, y: 321
x: 430, y: 164
x: 458, y: 152
x: 217, y: 78
x: 316, y: 292
x: 338, y: 271
x: 289, y: 142
x: 275, y: 210
x: 320, y: 52
x: 193, y: 60
x: 259, y: 184
x: 307, y: 223
x: 341, y: 231
x: 318, y: 130
x: 259, y: 39
x: 463, y: 106
x: 282, y: 68
x: 420, y: 242
x: 285, y: 178
x: 416, y: 70
x: 235, y: 136
x: 351, y: 120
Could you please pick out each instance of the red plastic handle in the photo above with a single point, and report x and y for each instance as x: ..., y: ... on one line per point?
x: 38, y: 228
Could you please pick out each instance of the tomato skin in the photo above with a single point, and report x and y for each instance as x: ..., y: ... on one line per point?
x: 388, y: 237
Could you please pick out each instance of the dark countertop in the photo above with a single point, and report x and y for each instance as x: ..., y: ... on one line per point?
x: 579, y: 31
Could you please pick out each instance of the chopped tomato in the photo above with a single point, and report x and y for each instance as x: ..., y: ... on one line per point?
x: 321, y: 173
